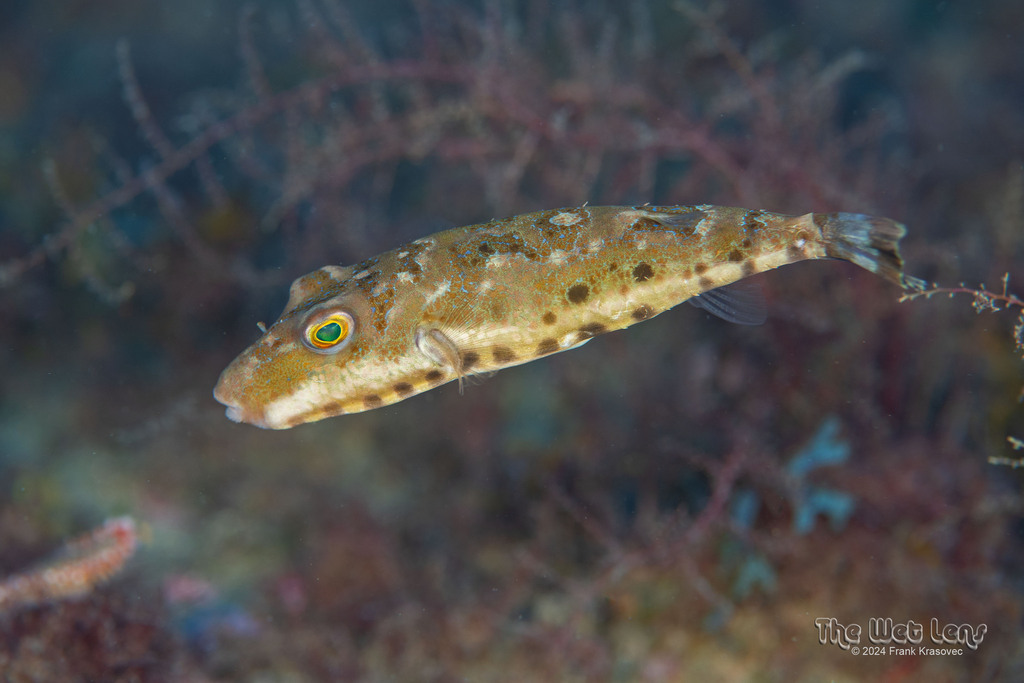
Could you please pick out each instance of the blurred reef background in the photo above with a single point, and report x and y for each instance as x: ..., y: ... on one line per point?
x: 679, y: 501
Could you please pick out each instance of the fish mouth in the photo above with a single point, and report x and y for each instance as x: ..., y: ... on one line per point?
x: 236, y: 414
x: 237, y: 411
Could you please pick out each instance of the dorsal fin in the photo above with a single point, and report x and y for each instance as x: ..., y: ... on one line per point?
x: 741, y: 302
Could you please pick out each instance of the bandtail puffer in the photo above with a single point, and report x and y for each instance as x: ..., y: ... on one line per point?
x: 489, y: 296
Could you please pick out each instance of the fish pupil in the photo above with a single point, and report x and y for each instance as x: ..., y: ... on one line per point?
x: 328, y: 333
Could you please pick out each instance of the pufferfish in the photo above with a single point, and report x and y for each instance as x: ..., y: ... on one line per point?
x: 489, y: 296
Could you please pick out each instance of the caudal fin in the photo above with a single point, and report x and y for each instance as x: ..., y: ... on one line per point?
x: 873, y: 243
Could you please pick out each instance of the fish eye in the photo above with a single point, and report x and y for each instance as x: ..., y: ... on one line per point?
x: 327, y: 334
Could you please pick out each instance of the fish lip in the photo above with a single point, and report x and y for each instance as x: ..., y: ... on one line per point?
x: 236, y: 411
x: 235, y: 414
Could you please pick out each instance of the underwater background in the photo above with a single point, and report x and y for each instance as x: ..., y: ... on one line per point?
x: 678, y: 501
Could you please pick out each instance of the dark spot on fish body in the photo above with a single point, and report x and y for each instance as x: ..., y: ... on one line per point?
x: 751, y: 222
x: 497, y: 306
x: 467, y: 258
x: 549, y: 232
x: 509, y: 244
x: 735, y: 256
x: 612, y: 267
x: 333, y: 408
x: 794, y: 252
x: 590, y: 330
x: 297, y: 420
x: 647, y: 224
x: 547, y: 346
x: 746, y: 243
x: 503, y: 354
x: 372, y: 401
x: 469, y: 359
x: 403, y: 389
x: 549, y: 318
x: 514, y: 243
x: 643, y: 272
x: 748, y: 268
x: 577, y: 294
x: 642, y: 312
x: 705, y: 283
x: 434, y: 376
x: 700, y: 268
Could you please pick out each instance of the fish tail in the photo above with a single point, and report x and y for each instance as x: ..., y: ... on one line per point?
x: 872, y: 242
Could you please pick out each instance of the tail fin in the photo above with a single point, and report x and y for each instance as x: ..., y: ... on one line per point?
x: 873, y: 243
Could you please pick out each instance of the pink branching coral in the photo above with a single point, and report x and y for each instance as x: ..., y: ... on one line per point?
x: 511, y: 111
x: 84, y: 563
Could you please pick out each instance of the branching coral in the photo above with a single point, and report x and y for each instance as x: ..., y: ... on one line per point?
x: 84, y: 563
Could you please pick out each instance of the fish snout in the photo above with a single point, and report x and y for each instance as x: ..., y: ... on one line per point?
x: 231, y: 393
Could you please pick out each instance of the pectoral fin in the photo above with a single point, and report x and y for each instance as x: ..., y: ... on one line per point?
x: 741, y: 302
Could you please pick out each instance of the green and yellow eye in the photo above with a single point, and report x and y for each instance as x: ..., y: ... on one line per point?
x: 328, y: 333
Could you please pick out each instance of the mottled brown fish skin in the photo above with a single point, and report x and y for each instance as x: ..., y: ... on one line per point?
x: 488, y: 296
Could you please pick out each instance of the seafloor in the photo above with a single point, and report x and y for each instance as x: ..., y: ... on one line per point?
x: 680, y: 501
